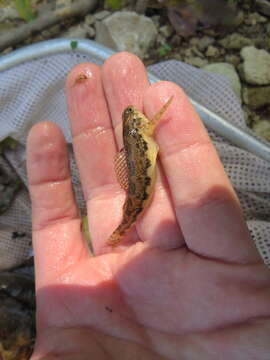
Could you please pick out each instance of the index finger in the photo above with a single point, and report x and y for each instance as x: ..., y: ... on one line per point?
x: 207, y: 207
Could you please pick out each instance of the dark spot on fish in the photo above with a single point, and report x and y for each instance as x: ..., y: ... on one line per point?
x: 138, y: 210
x: 108, y: 309
x: 145, y: 196
x: 131, y: 188
x: 128, y: 207
x: 142, y: 152
x: 125, y: 131
x: 147, y: 180
x: 145, y: 145
x: 143, y: 171
x: 147, y: 163
x: 131, y: 168
x: 127, y: 213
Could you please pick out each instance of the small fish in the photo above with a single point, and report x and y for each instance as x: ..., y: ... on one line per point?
x: 135, y: 166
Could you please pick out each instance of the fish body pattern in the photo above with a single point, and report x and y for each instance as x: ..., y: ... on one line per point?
x: 136, y: 167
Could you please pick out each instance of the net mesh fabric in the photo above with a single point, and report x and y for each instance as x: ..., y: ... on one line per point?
x: 34, y: 91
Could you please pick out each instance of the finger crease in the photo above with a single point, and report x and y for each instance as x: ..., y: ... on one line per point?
x: 175, y: 148
x: 57, y: 220
x: 97, y: 130
x: 51, y: 181
x: 103, y: 191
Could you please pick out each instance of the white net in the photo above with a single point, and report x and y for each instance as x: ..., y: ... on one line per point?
x: 34, y: 91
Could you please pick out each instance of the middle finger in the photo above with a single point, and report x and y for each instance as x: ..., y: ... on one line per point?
x: 125, y: 82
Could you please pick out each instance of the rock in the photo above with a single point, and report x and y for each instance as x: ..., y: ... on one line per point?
x: 127, y: 31
x: 44, y: 6
x: 62, y: 3
x: 45, y: 34
x: 256, y: 66
x: 197, y: 52
x: 212, y: 51
x: 51, y: 32
x: 262, y: 128
x: 192, y: 51
x: 161, y: 40
x: 255, y: 18
x: 229, y: 72
x: 235, y: 41
x: 204, y: 42
x: 91, y: 32
x: 259, y: 18
x: 251, y: 32
x: 166, y: 30
x: 176, y: 40
x: 8, y: 13
x: 241, y: 72
x: 156, y: 20
x: 256, y: 97
x: 263, y: 6
x: 55, y: 30
x: 178, y: 57
x: 210, y: 32
x: 101, y: 15
x: 232, y: 59
x: 262, y: 42
x: 247, y: 115
x: 239, y: 19
x: 6, y: 26
x: 196, y: 61
x: 194, y: 41
x: 188, y: 52
x: 78, y: 31
x: 7, y: 51
x: 17, y: 323
x: 246, y: 4
x: 222, y: 51
x: 89, y: 19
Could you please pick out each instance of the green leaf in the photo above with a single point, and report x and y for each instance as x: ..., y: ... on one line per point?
x: 74, y: 45
x: 114, y: 4
x: 164, y: 49
x: 24, y: 9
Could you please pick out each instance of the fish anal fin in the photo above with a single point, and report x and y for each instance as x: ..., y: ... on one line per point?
x: 121, y: 169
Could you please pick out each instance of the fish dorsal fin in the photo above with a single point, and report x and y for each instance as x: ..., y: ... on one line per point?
x: 121, y: 169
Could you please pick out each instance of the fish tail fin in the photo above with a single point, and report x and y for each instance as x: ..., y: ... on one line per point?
x: 115, y: 238
x: 118, y: 235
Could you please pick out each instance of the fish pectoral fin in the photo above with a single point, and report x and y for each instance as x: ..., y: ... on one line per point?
x: 121, y: 169
x: 159, y: 114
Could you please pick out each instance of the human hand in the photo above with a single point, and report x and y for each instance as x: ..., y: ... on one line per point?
x: 188, y: 282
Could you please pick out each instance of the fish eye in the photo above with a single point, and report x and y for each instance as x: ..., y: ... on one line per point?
x: 128, y: 110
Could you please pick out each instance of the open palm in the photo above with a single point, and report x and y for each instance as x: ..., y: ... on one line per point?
x: 187, y: 283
